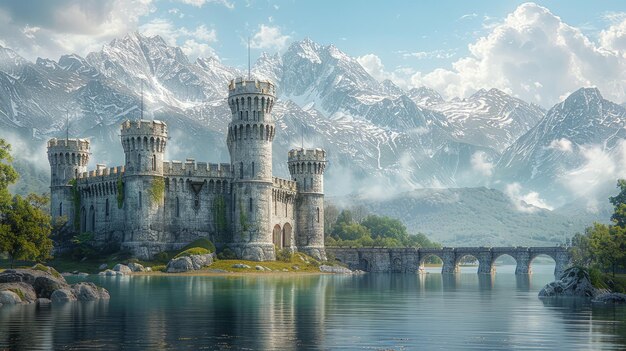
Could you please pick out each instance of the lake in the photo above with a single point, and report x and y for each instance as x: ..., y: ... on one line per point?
x: 464, y: 311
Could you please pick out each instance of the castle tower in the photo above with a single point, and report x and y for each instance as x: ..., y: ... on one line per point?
x: 68, y: 159
x: 306, y: 167
x: 144, y: 147
x: 250, y: 136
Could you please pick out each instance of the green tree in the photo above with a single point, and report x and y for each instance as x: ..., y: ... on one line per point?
x: 619, y: 205
x: 607, y: 243
x: 581, y: 248
x: 351, y: 231
x: 331, y: 212
x: 25, y: 229
x: 8, y: 175
x: 386, y: 227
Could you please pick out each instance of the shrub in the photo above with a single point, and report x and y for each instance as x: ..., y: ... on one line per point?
x: 202, y: 242
x: 162, y: 257
x: 227, y: 254
x: 193, y: 251
x: 158, y: 268
x: 284, y: 255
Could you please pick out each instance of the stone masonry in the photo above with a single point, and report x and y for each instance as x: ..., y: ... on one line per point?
x: 150, y: 205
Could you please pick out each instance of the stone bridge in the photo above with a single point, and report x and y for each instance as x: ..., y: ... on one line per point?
x: 411, y: 260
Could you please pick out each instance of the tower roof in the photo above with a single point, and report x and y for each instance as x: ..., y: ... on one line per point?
x: 251, y: 86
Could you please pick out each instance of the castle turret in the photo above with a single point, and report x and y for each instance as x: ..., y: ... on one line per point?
x: 250, y: 136
x: 306, y: 167
x: 144, y: 146
x: 68, y: 159
x: 143, y: 185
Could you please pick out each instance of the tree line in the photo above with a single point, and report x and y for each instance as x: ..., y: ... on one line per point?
x: 25, y: 224
x: 356, y: 227
x: 603, y: 246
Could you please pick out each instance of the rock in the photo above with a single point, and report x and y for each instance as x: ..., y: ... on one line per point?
x: 62, y: 295
x: 103, y: 266
x: 23, y: 290
x: 136, y: 267
x: 45, y: 285
x: 110, y: 273
x: 240, y: 265
x: 285, y: 270
x: 610, y: 298
x: 148, y: 269
x: 122, y: 269
x: 573, y: 282
x: 8, y: 297
x: 189, y: 263
x: 295, y: 267
x: 259, y: 268
x: 334, y: 269
x: 83, y: 274
x: 43, y: 301
x: 178, y: 265
x: 89, y: 292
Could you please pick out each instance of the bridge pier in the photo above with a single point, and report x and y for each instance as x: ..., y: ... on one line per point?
x: 563, y: 261
x: 485, y: 262
x: 523, y: 262
x: 449, y: 261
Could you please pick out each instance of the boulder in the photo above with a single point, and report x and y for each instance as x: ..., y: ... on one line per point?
x: 103, y: 266
x: 24, y: 291
x: 89, y: 292
x: 240, y: 265
x: 148, y: 269
x: 8, y: 297
x: 610, y: 298
x: 259, y: 268
x: 43, y: 301
x: 122, y: 269
x: 573, y: 282
x: 62, y: 295
x: 45, y: 285
x: 189, y: 263
x: 334, y: 269
x: 136, y: 267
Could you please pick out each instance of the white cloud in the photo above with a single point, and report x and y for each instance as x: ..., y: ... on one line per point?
x: 525, y: 202
x: 481, y: 164
x: 531, y: 54
x: 468, y: 16
x: 67, y: 26
x: 374, y: 66
x: 200, y: 3
x: 598, y: 174
x: 563, y: 144
x: 434, y: 54
x: 269, y: 37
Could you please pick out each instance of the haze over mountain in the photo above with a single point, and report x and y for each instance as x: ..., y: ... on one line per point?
x: 381, y: 140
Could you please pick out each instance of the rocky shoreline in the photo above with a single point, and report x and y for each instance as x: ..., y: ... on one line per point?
x: 41, y: 284
x: 576, y: 282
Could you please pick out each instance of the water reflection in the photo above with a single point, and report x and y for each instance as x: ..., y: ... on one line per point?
x: 317, y: 312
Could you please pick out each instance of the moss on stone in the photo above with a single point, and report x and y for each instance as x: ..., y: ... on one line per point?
x: 157, y: 190
x: 120, y: 192
x: 193, y: 251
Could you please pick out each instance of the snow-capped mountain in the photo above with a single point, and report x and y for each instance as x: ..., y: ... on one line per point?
x: 583, y: 128
x: 488, y: 118
x: 380, y: 138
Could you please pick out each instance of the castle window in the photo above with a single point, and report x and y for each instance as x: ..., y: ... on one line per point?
x: 61, y: 209
x: 250, y: 205
x: 106, y: 207
x: 138, y: 161
x: 318, y: 215
x: 252, y: 175
x: 154, y: 162
x: 285, y: 209
x: 177, y: 207
x: 240, y: 170
x: 140, y: 202
x: 304, y: 184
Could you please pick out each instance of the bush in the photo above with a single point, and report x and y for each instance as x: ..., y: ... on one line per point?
x: 227, y: 254
x: 284, y: 255
x: 203, y: 243
x: 193, y: 251
x: 158, y: 268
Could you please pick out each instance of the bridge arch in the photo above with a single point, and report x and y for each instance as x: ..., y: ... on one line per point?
x: 463, y: 258
x: 503, y: 258
x: 536, y: 259
x: 429, y: 258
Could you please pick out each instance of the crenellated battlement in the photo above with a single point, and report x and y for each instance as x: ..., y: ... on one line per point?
x: 190, y: 168
x: 249, y: 86
x: 144, y: 127
x: 284, y: 184
x: 63, y: 145
x: 301, y: 154
x: 101, y: 172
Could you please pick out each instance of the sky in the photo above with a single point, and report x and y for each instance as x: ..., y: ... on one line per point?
x: 539, y: 51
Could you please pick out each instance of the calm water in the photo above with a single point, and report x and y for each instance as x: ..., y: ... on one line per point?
x: 372, y: 311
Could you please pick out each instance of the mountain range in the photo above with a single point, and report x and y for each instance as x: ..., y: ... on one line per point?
x: 382, y: 141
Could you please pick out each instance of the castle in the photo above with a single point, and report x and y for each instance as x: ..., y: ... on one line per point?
x: 150, y: 205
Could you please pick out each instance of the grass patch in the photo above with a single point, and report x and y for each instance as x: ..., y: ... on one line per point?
x: 50, y: 270
x: 202, y: 242
x: 158, y: 268
x: 19, y: 293
x: 303, y: 262
x: 193, y: 251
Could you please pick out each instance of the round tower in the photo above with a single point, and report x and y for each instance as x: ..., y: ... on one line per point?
x: 144, y: 146
x: 250, y: 136
x: 306, y: 167
x: 68, y: 159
